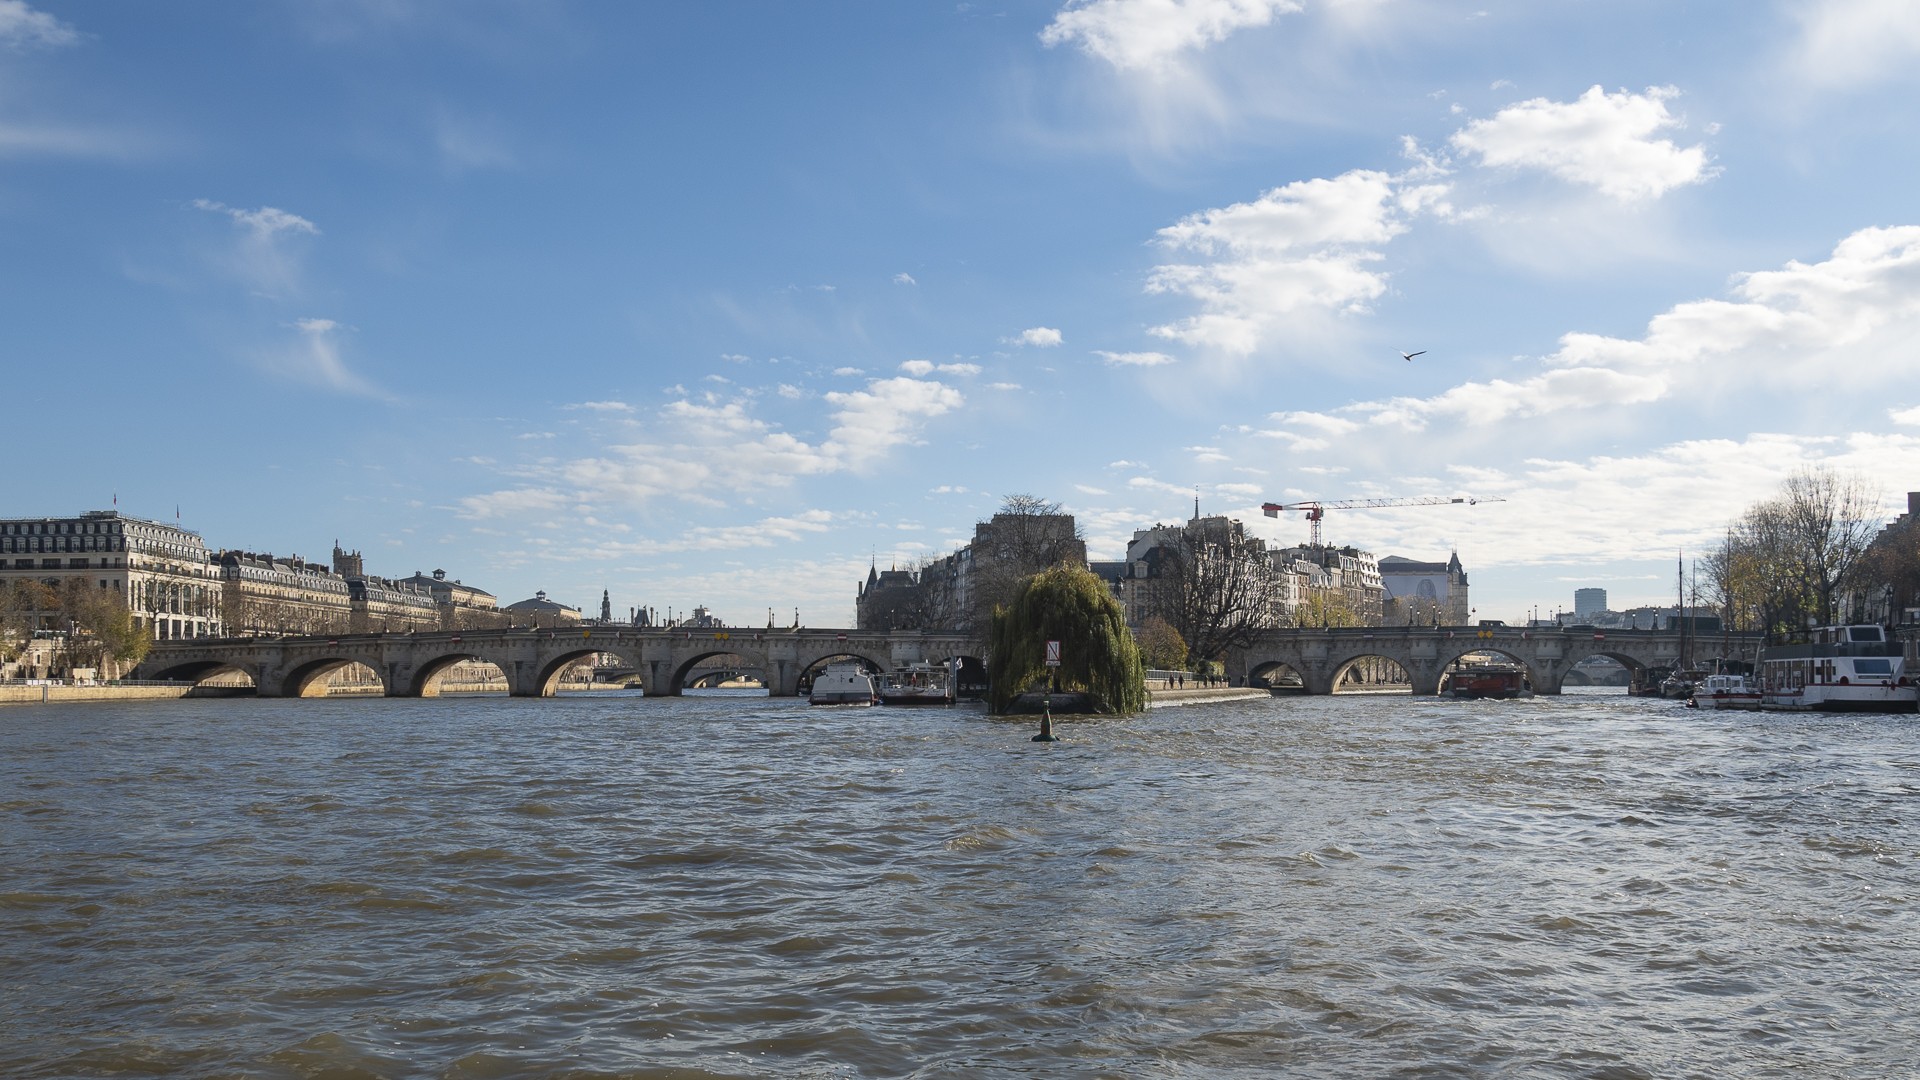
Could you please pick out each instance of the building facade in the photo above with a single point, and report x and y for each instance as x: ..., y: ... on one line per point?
x: 1424, y: 593
x: 264, y: 595
x: 163, y: 573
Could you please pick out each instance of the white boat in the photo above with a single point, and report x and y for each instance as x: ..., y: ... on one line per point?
x: 1725, y: 692
x: 1837, y: 669
x: 917, y: 684
x: 843, y: 683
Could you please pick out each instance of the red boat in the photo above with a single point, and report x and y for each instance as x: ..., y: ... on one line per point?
x: 1488, y: 681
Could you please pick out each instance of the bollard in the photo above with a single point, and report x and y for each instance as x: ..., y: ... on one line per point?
x: 1046, y: 721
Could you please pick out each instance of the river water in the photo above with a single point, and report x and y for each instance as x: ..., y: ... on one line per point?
x: 731, y: 886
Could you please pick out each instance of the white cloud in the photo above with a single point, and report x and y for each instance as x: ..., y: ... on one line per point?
x: 927, y: 367
x: 848, y: 371
x: 1308, y: 246
x: 1846, y: 43
x: 1785, y: 329
x: 1604, y: 141
x: 1040, y: 337
x: 1909, y: 417
x: 601, y: 406
x: 1148, y: 483
x: 1659, y: 490
x: 1146, y: 35
x: 791, y: 392
x: 718, y: 446
x: 22, y: 27
x: 734, y: 358
x: 873, y: 421
x: 904, y: 278
x: 1134, y: 359
x: 1086, y: 490
x: 1004, y: 386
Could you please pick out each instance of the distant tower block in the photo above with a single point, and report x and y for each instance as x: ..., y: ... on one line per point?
x: 1589, y: 602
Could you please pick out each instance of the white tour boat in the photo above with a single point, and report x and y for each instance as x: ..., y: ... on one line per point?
x: 1837, y: 669
x: 917, y: 684
x: 1725, y: 692
x: 843, y: 683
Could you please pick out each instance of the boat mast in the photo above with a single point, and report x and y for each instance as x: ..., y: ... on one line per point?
x: 1680, y: 605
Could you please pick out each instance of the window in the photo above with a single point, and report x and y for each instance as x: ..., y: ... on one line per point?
x: 1872, y: 666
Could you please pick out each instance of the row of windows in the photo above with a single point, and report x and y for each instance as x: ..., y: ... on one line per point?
x: 58, y: 528
x: 51, y: 564
x: 62, y: 543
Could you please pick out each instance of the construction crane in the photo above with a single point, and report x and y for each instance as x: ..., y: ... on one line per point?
x: 1317, y: 510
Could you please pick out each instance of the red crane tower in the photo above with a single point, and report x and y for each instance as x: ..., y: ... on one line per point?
x: 1317, y: 510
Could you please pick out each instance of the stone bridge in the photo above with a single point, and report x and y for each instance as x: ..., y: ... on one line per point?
x: 1321, y: 657
x: 412, y: 665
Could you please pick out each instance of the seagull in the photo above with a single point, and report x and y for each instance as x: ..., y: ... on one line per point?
x: 1411, y: 355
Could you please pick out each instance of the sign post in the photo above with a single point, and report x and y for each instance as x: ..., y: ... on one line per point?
x: 1046, y: 701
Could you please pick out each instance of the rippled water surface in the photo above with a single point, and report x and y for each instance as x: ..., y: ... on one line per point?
x: 600, y: 885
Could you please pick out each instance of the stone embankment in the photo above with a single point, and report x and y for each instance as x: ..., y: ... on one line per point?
x: 1194, y: 694
x: 30, y: 693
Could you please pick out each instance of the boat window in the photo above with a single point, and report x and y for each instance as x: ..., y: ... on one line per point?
x: 1863, y: 633
x: 1873, y: 666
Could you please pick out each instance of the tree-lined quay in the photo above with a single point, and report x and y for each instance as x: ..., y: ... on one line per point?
x: 1199, y: 597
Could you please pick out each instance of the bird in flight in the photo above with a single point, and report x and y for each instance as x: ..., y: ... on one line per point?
x: 1411, y: 355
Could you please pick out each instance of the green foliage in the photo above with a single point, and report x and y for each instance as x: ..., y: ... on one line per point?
x: 1068, y: 604
x: 1161, y: 646
x: 105, y: 631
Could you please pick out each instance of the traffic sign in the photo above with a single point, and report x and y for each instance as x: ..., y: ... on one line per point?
x: 1053, y: 654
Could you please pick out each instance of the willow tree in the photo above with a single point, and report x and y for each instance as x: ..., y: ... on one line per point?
x: 1098, y: 657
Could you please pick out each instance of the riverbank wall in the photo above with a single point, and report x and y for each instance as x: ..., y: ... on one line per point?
x: 1157, y: 699
x: 43, y: 693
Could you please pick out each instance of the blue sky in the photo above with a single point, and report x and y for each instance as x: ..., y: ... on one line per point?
x: 712, y: 303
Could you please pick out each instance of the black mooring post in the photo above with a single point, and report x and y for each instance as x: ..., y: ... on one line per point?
x: 1046, y: 714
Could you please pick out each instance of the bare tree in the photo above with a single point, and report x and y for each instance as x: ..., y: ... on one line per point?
x: 1216, y: 587
x: 1831, y: 519
x: 1026, y: 535
x: 1785, y: 562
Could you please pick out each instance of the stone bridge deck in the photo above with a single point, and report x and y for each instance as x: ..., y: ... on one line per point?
x: 412, y: 665
x: 1321, y: 657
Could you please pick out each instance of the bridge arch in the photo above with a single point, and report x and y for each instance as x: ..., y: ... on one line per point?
x: 308, y: 679
x: 1363, y: 671
x: 198, y: 671
x: 812, y: 668
x: 684, y: 663
x: 1638, y: 670
x: 1494, y: 653
x: 549, y: 668
x: 1275, y: 675
x: 428, y: 677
